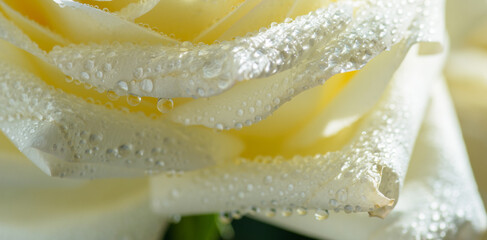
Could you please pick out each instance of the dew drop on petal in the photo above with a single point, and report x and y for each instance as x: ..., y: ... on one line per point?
x: 147, y: 85
x: 321, y: 214
x: 165, y: 105
x: 219, y: 126
x: 139, y: 73
x: 224, y: 84
x: 270, y: 212
x: 286, y: 212
x: 301, y: 211
x: 89, y: 65
x: 212, y: 69
x: 201, y: 92
x: 342, y: 195
x: 123, y: 85
x: 133, y: 100
x: 85, y: 75
x: 112, y: 95
x: 108, y: 67
x: 125, y: 150
x: 348, y: 209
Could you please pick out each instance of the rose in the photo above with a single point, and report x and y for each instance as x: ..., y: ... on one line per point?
x: 362, y: 171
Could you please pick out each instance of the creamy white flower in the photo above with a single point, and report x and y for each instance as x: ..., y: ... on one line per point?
x: 432, y: 203
x: 36, y: 206
x: 343, y: 146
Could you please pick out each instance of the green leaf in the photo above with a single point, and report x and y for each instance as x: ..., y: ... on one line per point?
x: 204, y: 227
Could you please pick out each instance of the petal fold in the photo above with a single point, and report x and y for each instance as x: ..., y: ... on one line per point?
x: 364, y: 175
x: 439, y: 199
x: 35, y: 206
x: 69, y: 137
x: 296, y: 55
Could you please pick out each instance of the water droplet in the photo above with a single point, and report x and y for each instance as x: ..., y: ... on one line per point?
x: 253, y: 210
x: 268, y: 179
x: 95, y: 138
x: 321, y: 214
x: 133, y: 100
x: 219, y: 126
x: 342, y: 195
x: 149, y: 161
x: 123, y: 85
x: 301, y: 211
x: 69, y: 79
x: 147, y: 85
x: 240, y: 112
x: 271, y: 212
x: 165, y: 105
x: 160, y: 163
x: 112, y: 152
x: 85, y: 76
x: 333, y: 203
x: 224, y: 83
x: 89, y: 65
x: 139, y: 73
x: 348, y: 208
x: 201, y: 92
x: 212, y: 68
x: 125, y: 149
x: 108, y: 67
x: 112, y: 95
x: 276, y: 101
x: 286, y: 212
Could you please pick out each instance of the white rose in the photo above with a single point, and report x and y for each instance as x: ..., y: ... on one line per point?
x: 344, y: 146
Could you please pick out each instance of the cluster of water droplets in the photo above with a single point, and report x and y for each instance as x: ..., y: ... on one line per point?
x: 378, y: 153
x: 83, y: 137
x: 306, y: 52
x: 353, y: 46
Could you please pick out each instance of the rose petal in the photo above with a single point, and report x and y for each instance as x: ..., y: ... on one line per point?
x: 35, y: 206
x: 365, y: 174
x: 11, y: 33
x: 267, y: 94
x: 439, y: 199
x: 67, y: 136
x: 467, y: 78
x: 187, y: 19
x: 302, y: 7
x: 41, y: 35
x: 304, y: 43
x: 259, y: 16
x: 135, y: 10
x: 352, y: 102
x: 464, y: 16
x: 111, y: 6
x: 84, y: 24
x: 217, y: 29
